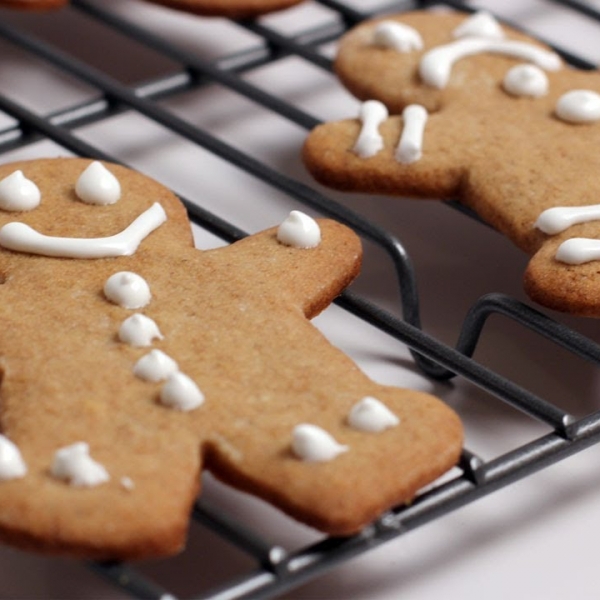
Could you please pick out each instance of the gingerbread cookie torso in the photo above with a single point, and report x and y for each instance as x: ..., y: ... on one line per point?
x: 460, y: 107
x: 132, y: 360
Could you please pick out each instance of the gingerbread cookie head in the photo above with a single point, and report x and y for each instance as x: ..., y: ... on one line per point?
x: 461, y: 107
x: 131, y: 361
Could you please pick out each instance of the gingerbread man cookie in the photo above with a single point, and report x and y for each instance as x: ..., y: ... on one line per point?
x: 460, y: 107
x: 131, y: 361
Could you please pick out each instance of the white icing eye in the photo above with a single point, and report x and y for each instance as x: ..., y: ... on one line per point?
x: 526, y: 80
x: 127, y: 289
x: 299, y: 230
x: 480, y: 24
x: 139, y: 331
x: 579, y: 106
x: 97, y: 185
x: 313, y: 444
x: 75, y: 465
x: 155, y: 366
x: 180, y: 392
x: 12, y: 465
x: 397, y: 36
x: 17, y: 193
x: 371, y: 415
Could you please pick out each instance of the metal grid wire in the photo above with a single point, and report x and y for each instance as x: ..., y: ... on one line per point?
x: 275, y: 570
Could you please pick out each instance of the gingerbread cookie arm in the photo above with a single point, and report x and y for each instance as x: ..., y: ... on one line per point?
x: 330, y: 155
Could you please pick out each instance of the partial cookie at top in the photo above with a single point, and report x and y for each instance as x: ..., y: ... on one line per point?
x: 234, y: 9
x: 33, y: 5
x: 468, y: 109
x: 131, y: 361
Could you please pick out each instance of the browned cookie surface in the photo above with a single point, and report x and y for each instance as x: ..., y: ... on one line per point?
x: 235, y: 321
x: 506, y: 155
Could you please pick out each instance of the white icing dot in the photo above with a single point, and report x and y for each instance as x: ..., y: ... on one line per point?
x: 579, y: 106
x: 299, y: 230
x: 18, y: 193
x: 371, y: 415
x: 155, y: 366
x: 313, y: 444
x: 398, y: 36
x: 369, y: 142
x: 526, y: 80
x: 97, y: 185
x: 481, y: 24
x: 12, y: 465
x: 127, y: 289
x: 127, y: 483
x: 74, y: 464
x: 180, y: 392
x: 139, y: 331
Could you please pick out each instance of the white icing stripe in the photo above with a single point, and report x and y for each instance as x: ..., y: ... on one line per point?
x: 577, y: 251
x: 22, y: 238
x: 436, y: 65
x: 411, y: 141
x: 557, y: 219
x: 369, y: 142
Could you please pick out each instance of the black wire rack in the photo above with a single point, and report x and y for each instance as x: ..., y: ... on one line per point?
x: 275, y: 570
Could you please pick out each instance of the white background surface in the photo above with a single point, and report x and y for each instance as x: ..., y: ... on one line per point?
x: 538, y: 538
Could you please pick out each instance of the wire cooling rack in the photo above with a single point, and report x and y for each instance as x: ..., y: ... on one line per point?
x: 100, y: 97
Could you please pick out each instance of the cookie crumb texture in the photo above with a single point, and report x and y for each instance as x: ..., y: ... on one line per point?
x: 507, y: 146
x: 235, y: 322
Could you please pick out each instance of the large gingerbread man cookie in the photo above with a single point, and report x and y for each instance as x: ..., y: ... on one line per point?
x: 131, y: 361
x: 460, y: 107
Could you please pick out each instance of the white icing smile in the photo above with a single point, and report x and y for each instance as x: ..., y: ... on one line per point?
x: 23, y: 238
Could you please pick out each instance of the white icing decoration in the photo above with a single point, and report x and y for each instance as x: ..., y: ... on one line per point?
x: 127, y: 289
x: 139, y: 331
x: 558, y: 218
x: 577, y: 251
x: 17, y: 193
x: 23, y: 238
x: 397, y: 36
x: 436, y: 64
x: 97, y: 185
x: 526, y: 80
x: 155, y: 366
x: 371, y: 415
x: 299, y: 230
x: 579, y: 106
x: 127, y: 483
x: 12, y: 465
x: 410, y: 146
x: 480, y: 24
x: 369, y: 142
x: 74, y: 464
x: 313, y: 444
x: 180, y: 392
